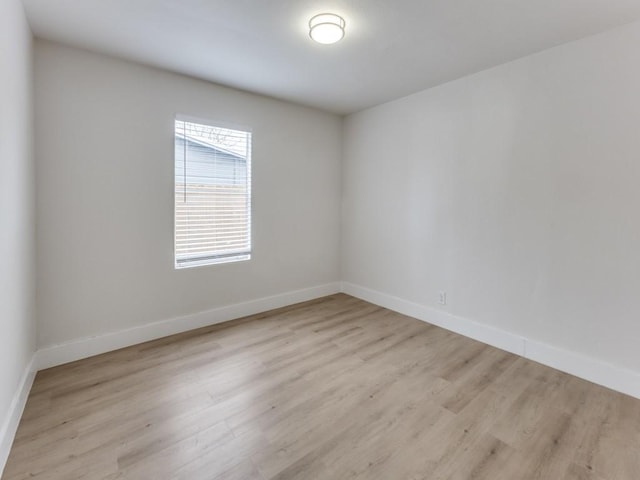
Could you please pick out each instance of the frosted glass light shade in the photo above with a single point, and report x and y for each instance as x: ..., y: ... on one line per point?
x: 326, y: 28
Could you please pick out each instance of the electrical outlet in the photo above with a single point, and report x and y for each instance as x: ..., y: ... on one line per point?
x: 442, y: 298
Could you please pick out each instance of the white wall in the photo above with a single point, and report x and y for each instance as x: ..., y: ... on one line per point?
x: 515, y: 190
x: 17, y: 225
x: 104, y: 143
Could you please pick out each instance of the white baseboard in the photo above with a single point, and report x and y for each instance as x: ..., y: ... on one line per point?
x: 10, y: 425
x: 589, y: 368
x: 597, y: 371
x: 86, y: 347
x: 478, y: 331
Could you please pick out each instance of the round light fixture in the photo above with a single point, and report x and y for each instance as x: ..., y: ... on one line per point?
x: 326, y: 28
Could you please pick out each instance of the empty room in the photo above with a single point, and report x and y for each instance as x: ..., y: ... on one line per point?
x: 320, y: 239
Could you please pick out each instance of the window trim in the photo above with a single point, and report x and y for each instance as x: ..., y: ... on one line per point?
x: 186, y: 261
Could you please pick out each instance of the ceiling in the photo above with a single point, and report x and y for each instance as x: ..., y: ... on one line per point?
x: 392, y: 47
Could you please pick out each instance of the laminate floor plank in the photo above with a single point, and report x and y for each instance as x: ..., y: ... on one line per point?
x: 334, y: 388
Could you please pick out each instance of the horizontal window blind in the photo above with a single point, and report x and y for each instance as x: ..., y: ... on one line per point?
x: 212, y: 194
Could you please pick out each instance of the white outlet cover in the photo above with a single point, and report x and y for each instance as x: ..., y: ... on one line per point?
x: 442, y: 298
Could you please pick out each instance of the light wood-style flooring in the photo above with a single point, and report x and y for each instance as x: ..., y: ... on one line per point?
x: 334, y: 389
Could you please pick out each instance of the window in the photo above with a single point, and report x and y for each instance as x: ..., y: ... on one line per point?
x: 212, y: 194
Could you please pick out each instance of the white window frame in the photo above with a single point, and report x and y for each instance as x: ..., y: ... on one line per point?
x: 220, y: 256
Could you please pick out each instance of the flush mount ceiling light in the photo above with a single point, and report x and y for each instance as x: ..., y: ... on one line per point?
x: 326, y: 28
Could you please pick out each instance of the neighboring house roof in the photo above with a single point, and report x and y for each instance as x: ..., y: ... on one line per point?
x: 207, y: 164
x: 205, y: 142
